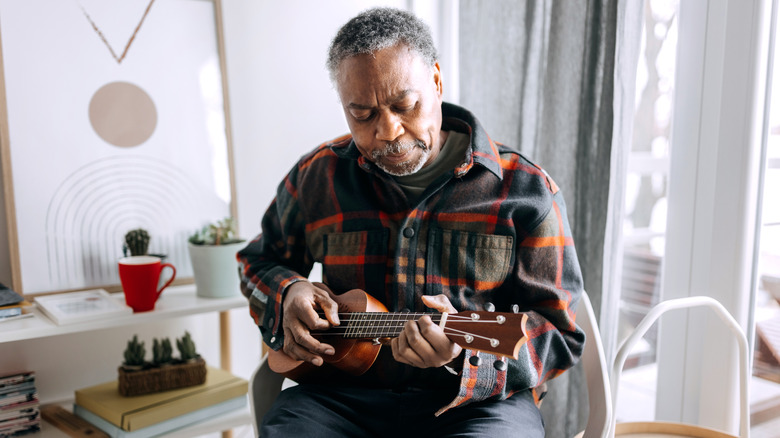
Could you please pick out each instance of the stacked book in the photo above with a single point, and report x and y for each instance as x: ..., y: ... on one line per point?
x: 12, y: 305
x: 19, y: 407
x: 161, y: 412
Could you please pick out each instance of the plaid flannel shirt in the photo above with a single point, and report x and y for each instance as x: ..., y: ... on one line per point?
x: 494, y: 230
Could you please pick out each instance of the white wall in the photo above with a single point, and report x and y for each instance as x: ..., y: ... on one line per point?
x: 282, y: 105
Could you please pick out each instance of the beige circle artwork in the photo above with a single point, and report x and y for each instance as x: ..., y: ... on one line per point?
x: 123, y: 114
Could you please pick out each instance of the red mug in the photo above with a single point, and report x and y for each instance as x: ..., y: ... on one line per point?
x: 140, y: 276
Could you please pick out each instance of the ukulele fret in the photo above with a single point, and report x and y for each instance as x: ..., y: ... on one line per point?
x: 377, y: 324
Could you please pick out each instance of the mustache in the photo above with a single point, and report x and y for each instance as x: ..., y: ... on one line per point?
x: 397, y: 147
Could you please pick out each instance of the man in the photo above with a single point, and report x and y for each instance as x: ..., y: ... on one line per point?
x: 419, y: 208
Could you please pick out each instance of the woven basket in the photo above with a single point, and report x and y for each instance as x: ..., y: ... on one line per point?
x: 146, y: 381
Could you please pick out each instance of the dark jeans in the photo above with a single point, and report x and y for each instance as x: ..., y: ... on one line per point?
x: 329, y: 411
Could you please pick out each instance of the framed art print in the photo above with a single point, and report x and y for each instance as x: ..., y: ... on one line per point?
x: 113, y: 118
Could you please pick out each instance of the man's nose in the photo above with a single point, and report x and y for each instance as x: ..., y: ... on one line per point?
x: 389, y: 127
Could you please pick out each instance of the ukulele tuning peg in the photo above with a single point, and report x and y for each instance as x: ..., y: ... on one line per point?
x: 474, y: 316
x: 490, y: 307
x: 500, y: 365
x: 475, y: 361
x: 515, y: 308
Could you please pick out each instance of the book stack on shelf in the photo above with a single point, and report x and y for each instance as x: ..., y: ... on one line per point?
x: 19, y: 407
x: 161, y: 412
x: 12, y: 305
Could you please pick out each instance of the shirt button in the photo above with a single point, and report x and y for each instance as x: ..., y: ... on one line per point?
x: 409, y: 232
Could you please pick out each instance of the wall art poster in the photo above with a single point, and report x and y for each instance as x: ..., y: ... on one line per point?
x: 115, y: 121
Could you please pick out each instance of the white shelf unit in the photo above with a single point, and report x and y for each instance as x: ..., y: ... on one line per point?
x: 175, y: 301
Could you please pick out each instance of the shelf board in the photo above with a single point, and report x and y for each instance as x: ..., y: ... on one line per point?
x: 174, y: 302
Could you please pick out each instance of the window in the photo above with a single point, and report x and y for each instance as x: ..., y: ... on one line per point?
x: 646, y: 209
x: 765, y: 388
x: 644, y: 222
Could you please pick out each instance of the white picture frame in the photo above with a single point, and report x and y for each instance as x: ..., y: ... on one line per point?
x: 113, y: 116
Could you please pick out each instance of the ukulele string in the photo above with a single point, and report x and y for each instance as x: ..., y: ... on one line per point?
x: 378, y: 324
x: 371, y: 317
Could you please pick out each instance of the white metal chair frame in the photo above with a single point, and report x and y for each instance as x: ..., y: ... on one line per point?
x: 265, y: 385
x: 685, y: 303
x: 594, y: 364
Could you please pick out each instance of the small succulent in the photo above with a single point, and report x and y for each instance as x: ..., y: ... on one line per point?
x: 162, y: 352
x: 221, y: 232
x: 137, y: 241
x: 186, y: 347
x: 135, y: 352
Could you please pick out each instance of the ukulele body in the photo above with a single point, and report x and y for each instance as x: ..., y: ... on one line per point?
x: 354, y: 356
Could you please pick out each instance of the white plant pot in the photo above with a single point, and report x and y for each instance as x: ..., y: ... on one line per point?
x: 215, y: 269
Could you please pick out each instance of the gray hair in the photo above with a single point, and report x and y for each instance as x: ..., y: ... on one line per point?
x: 380, y: 28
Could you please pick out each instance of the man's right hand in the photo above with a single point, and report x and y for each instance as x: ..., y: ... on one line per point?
x: 300, y: 306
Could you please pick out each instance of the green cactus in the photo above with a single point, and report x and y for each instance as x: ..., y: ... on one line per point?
x: 162, y: 351
x: 135, y: 352
x: 137, y: 241
x: 186, y: 347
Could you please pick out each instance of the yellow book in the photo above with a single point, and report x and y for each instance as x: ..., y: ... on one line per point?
x: 22, y: 304
x: 133, y: 413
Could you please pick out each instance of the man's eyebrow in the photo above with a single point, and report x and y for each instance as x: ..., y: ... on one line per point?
x: 397, y: 98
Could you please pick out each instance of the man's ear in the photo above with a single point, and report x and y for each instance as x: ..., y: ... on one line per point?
x: 437, y: 78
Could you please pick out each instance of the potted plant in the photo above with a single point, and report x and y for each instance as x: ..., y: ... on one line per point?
x: 137, y: 376
x: 213, y: 254
x: 162, y: 352
x: 137, y: 242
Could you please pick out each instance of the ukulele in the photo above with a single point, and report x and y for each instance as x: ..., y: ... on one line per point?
x: 365, y: 324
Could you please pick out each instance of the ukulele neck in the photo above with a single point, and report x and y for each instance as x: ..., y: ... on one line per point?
x: 370, y: 325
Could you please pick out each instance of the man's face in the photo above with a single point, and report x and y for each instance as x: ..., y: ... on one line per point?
x: 392, y: 102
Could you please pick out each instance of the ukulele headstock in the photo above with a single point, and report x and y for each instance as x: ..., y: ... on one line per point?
x: 492, y: 332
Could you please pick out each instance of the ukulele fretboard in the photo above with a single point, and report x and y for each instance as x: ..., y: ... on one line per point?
x: 374, y: 324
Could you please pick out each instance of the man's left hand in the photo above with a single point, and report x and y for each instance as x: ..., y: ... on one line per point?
x: 422, y: 343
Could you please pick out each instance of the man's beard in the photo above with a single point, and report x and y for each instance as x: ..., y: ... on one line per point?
x: 397, y: 147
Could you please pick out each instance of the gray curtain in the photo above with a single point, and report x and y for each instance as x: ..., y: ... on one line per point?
x: 540, y: 75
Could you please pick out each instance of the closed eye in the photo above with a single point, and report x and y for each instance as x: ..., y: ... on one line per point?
x: 362, y: 116
x: 405, y: 108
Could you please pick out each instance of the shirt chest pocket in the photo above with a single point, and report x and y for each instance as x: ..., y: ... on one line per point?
x: 464, y: 265
x: 355, y: 259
